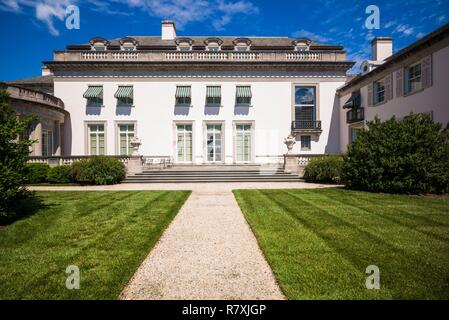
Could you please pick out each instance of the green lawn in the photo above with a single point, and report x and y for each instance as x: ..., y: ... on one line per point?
x: 319, y: 242
x: 106, y: 234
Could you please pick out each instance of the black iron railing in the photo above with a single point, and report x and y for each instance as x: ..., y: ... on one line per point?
x: 355, y: 115
x: 306, y: 125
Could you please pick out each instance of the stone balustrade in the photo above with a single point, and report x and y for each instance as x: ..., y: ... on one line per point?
x: 162, y: 56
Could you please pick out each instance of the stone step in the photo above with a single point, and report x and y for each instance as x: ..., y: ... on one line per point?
x: 266, y: 179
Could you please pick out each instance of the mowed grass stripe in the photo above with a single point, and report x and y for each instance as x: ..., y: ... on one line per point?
x: 358, y: 229
x: 106, y: 234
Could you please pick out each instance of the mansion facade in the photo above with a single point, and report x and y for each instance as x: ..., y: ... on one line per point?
x: 231, y: 100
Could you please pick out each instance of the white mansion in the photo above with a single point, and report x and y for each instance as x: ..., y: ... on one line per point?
x: 234, y: 99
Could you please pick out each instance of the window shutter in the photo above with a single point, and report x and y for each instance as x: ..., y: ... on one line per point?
x: 370, y: 95
x: 426, y: 66
x: 400, y: 83
x: 388, y: 87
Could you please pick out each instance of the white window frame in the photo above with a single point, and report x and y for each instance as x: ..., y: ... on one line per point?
x: 175, y: 141
x: 379, y: 91
x: 87, y: 148
x: 408, y: 80
x: 47, y: 136
x: 118, y: 124
x: 299, y: 105
x: 252, y: 141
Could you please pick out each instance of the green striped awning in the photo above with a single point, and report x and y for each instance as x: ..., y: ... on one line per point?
x: 213, y: 92
x: 124, y: 92
x: 182, y: 92
x: 243, y: 92
x: 94, y: 92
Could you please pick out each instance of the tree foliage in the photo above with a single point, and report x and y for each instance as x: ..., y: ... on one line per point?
x: 14, y: 153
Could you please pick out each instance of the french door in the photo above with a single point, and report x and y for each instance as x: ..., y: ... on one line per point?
x: 243, y: 143
x: 184, y: 142
x: 214, y: 143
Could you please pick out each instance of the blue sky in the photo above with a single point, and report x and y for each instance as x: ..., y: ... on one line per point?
x: 32, y: 29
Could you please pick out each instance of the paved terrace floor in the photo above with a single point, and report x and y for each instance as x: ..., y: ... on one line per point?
x: 207, y: 252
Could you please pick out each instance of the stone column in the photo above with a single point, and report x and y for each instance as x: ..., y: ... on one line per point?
x: 37, y: 135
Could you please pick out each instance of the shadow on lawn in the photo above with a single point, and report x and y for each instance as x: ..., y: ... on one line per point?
x: 27, y: 205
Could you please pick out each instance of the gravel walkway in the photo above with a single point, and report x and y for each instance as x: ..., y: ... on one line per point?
x: 208, y: 252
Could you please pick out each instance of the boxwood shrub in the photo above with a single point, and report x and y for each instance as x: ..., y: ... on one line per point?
x: 325, y: 169
x: 60, y: 174
x: 36, y: 172
x: 408, y: 156
x: 99, y: 170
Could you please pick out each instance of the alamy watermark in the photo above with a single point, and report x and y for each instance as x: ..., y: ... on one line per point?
x: 73, y: 280
x: 72, y: 20
x: 373, y: 20
x: 373, y: 279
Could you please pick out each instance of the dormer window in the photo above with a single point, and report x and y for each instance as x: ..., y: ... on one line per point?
x: 99, y: 47
x: 99, y: 44
x: 213, y: 44
x: 242, y: 44
x: 302, y: 44
x: 128, y: 44
x: 184, y: 44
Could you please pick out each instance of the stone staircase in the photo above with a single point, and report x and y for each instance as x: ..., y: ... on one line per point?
x: 213, y: 173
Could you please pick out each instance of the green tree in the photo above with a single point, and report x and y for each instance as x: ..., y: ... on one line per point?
x: 14, y: 153
x: 408, y: 156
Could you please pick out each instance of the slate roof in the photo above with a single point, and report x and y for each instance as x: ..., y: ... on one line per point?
x: 264, y: 42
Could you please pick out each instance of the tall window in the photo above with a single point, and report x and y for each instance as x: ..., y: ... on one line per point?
x: 243, y: 142
x: 379, y: 92
x: 413, y: 78
x: 184, y: 142
x: 96, y: 139
x: 213, y: 141
x: 47, y: 143
x: 126, y: 134
x: 305, y: 107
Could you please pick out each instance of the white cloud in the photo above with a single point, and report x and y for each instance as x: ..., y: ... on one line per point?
x: 219, y: 12
x: 46, y: 11
x: 308, y: 34
x: 183, y: 12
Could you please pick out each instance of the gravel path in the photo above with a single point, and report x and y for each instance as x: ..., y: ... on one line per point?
x: 208, y: 252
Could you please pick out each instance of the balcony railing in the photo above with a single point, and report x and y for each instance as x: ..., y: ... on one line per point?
x: 162, y: 56
x: 306, y: 126
x: 355, y: 115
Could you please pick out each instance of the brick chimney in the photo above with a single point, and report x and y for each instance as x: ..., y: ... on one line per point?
x: 382, y: 48
x: 168, y: 30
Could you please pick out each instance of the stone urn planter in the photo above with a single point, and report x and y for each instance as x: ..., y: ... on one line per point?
x: 135, y: 144
x: 289, y: 142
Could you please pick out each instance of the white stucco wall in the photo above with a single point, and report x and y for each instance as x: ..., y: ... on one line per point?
x: 154, y: 113
x: 434, y: 99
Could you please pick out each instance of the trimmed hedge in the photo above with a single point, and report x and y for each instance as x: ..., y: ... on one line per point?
x: 98, y: 170
x: 36, y: 172
x: 327, y: 169
x: 60, y: 174
x: 409, y: 156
